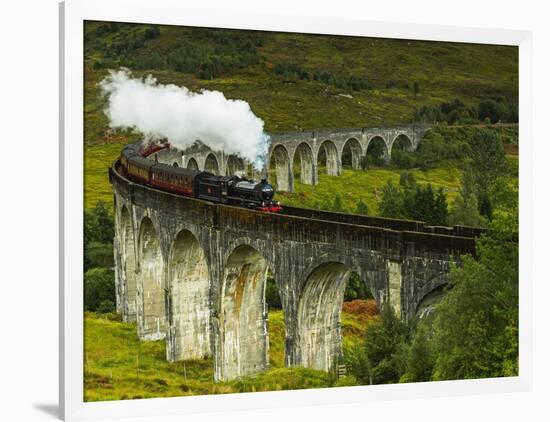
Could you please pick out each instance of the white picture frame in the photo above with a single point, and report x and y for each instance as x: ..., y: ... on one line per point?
x: 72, y: 15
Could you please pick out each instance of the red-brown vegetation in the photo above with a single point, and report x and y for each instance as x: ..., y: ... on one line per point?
x: 362, y: 308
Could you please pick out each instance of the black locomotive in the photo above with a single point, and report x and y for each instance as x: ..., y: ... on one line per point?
x: 232, y: 190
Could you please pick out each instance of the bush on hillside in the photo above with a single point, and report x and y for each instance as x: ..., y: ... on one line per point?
x: 272, y: 297
x: 98, y: 237
x: 361, y: 307
x: 99, y: 288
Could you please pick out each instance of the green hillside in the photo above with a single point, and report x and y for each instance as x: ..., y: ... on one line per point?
x: 297, y: 81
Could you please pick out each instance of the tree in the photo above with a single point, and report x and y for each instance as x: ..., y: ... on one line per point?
x: 106, y: 306
x: 476, y: 324
x: 503, y: 195
x: 391, y: 205
x: 98, y: 224
x: 356, y: 289
x: 272, y: 294
x: 488, y: 162
x: 414, y: 201
x: 495, y: 111
x: 465, y: 212
x: 422, y: 203
x: 403, y: 159
x: 419, y: 355
x: 98, y: 237
x: 431, y: 150
x: 488, y: 158
x: 375, y: 153
x: 440, y: 211
x: 380, y: 361
x: 465, y: 209
x: 97, y: 254
x: 485, y: 206
x: 99, y: 286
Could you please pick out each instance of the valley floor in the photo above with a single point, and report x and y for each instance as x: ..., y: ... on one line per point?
x: 118, y: 366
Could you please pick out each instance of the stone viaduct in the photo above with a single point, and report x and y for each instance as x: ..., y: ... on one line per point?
x: 306, y: 150
x: 194, y: 273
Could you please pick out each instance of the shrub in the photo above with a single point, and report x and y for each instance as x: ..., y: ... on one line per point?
x: 293, y: 72
x: 272, y: 297
x: 391, y: 205
x: 98, y: 225
x: 361, y: 307
x: 476, y: 323
x: 98, y: 237
x: 106, y: 306
x: 375, y: 154
x: 97, y: 254
x: 99, y: 287
x: 492, y: 110
x: 356, y: 288
x: 152, y: 32
x: 403, y: 159
x: 378, y: 362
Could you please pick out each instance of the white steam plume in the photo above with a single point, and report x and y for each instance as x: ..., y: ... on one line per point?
x: 173, y: 112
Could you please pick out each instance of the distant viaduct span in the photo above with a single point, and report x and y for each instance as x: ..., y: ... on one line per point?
x: 194, y: 273
x: 306, y: 148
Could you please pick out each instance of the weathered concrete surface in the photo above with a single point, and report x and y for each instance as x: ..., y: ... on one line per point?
x: 200, y: 273
x: 150, y: 297
x: 394, y: 285
x: 243, y: 315
x: 319, y: 333
x: 126, y: 268
x: 188, y: 297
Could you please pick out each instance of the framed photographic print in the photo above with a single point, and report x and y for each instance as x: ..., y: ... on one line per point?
x: 273, y: 211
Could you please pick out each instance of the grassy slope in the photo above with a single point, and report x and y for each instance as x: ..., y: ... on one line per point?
x: 119, y: 366
x: 444, y: 71
x: 367, y: 185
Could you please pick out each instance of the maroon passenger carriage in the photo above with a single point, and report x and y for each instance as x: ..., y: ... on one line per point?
x: 232, y: 190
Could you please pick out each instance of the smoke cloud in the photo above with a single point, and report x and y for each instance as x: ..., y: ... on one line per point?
x: 181, y: 116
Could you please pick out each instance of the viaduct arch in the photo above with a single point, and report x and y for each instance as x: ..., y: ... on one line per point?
x: 200, y: 272
x: 305, y: 152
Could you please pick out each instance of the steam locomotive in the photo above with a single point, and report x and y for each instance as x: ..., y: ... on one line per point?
x: 231, y: 190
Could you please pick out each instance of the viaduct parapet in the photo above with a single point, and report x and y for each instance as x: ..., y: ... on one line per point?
x: 194, y: 273
x: 304, y: 148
